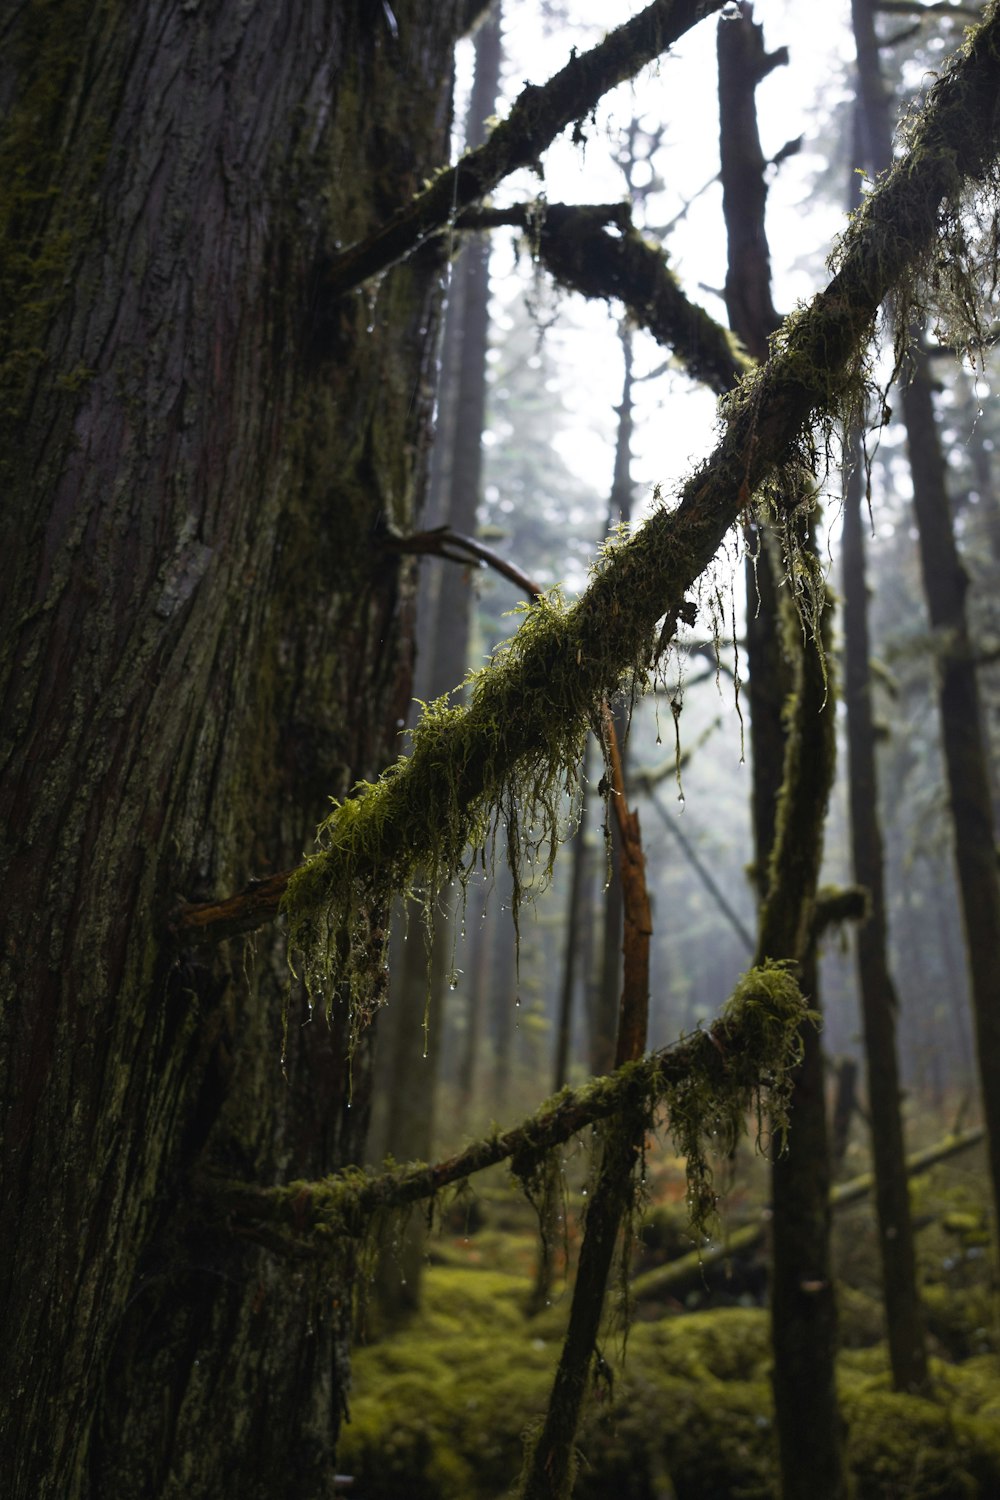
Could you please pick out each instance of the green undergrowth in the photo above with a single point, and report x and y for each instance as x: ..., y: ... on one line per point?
x: 439, y: 1411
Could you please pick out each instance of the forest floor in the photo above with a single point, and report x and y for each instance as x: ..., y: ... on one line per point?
x: 681, y: 1404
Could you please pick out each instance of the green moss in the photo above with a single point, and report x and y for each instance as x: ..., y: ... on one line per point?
x: 706, y: 1109
x: 905, y: 1445
x: 440, y: 1411
x: 507, y: 760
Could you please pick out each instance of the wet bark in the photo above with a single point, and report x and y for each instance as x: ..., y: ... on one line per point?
x: 201, y: 644
x: 572, y: 965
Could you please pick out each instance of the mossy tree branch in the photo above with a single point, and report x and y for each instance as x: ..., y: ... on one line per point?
x: 707, y: 1081
x: 536, y: 118
x: 577, y: 248
x: 531, y: 707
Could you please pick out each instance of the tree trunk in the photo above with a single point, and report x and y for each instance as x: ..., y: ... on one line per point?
x: 202, y: 642
x: 879, y: 1005
x: 945, y: 584
x: 576, y: 920
x: 421, y: 1014
x: 609, y: 993
x: 803, y: 1304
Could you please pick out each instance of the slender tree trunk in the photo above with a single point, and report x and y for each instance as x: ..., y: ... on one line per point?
x: 945, y: 584
x: 422, y: 1009
x: 619, y: 514
x: 481, y: 923
x: 575, y: 919
x: 792, y: 772
x: 879, y: 1005
x: 502, y: 992
x: 200, y: 644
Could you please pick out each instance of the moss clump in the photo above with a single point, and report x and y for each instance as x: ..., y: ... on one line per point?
x: 707, y: 1108
x: 905, y: 1445
x: 440, y: 1409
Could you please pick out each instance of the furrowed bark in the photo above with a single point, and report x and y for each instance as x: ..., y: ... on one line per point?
x: 198, y: 643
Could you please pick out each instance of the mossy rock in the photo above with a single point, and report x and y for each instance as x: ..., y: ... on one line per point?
x: 449, y: 1438
x: 662, y: 1435
x: 726, y: 1344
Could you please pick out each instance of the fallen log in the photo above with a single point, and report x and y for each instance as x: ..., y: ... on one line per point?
x: 690, y: 1272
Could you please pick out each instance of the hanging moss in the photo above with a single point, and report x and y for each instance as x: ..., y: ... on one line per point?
x: 507, y: 761
x: 706, y: 1113
x: 707, y: 1083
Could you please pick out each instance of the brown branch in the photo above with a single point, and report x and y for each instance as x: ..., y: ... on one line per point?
x: 548, y: 1472
x: 454, y: 546
x: 633, y: 1017
x: 536, y: 118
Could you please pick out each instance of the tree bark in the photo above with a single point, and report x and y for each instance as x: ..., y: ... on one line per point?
x: 200, y: 644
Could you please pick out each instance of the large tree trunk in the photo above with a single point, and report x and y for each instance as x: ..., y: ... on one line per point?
x: 202, y: 642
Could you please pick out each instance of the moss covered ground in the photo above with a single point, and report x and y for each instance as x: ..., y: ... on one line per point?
x: 441, y: 1408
